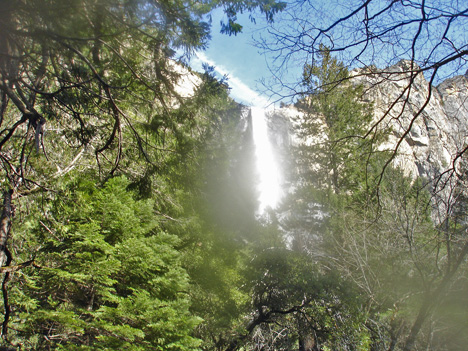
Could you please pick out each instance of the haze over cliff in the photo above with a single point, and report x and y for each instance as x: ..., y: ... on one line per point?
x: 428, y: 127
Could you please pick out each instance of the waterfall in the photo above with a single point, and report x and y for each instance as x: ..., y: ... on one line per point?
x: 267, y: 166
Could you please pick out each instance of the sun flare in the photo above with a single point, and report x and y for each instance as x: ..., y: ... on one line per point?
x: 267, y: 166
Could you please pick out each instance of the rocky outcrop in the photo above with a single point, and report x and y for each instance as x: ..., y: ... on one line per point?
x: 429, y: 125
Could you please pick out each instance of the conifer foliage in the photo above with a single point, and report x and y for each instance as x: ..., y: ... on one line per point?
x: 333, y: 124
x: 88, y: 93
x: 107, y: 276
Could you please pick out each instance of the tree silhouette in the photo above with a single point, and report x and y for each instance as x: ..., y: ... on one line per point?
x: 423, y: 38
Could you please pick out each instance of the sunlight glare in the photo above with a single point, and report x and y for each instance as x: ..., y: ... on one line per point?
x: 267, y: 166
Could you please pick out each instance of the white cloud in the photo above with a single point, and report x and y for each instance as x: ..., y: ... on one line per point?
x: 239, y: 90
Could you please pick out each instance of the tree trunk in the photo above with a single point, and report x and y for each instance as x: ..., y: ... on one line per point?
x: 5, y: 257
x: 5, y: 226
x: 418, y: 323
x: 307, y: 343
x: 431, y: 299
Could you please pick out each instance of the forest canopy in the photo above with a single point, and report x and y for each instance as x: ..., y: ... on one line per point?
x: 129, y: 204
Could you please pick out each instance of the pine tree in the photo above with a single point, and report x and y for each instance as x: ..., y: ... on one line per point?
x: 334, y: 152
x: 90, y: 86
x: 106, y: 276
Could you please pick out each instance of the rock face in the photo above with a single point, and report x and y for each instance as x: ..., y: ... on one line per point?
x: 429, y: 125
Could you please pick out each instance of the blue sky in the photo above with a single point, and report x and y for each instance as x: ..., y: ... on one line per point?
x: 239, y: 59
x: 245, y: 66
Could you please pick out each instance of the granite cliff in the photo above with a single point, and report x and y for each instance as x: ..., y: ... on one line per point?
x: 429, y: 124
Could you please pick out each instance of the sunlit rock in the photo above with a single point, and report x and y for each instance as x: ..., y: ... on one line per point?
x: 429, y: 125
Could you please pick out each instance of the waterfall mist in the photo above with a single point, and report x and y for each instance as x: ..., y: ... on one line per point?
x: 267, y: 165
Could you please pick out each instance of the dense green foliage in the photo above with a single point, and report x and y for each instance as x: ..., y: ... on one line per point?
x: 129, y: 203
x: 107, y: 277
x: 335, y: 155
x: 101, y: 77
x: 90, y: 91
